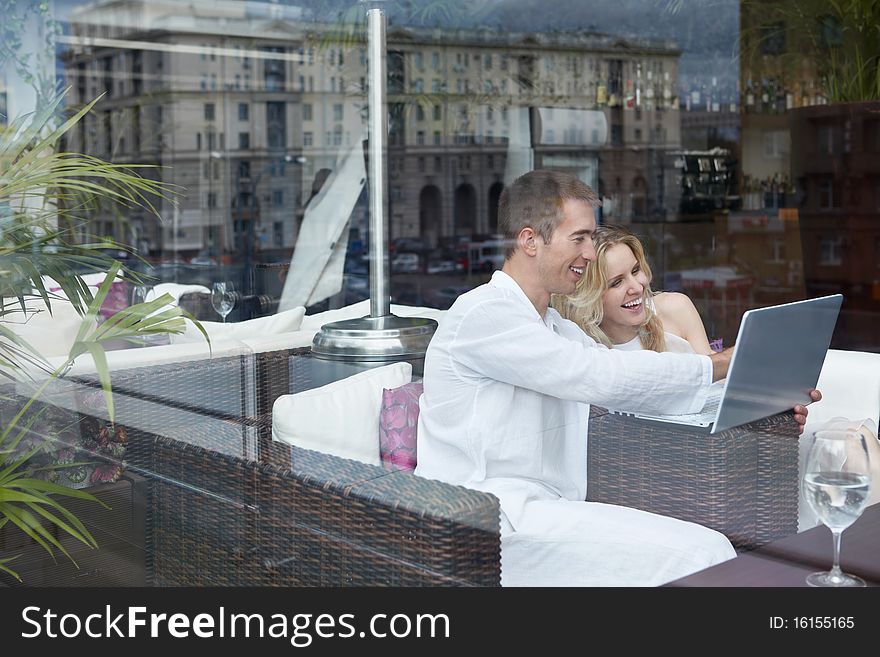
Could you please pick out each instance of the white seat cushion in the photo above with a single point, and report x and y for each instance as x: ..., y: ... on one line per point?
x: 850, y: 387
x: 50, y: 334
x: 287, y: 321
x: 341, y: 418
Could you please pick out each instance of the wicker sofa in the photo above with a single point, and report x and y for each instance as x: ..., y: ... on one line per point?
x: 224, y: 505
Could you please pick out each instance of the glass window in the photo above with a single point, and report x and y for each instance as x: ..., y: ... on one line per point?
x: 751, y: 172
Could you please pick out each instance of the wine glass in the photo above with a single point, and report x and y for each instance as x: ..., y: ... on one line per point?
x: 837, y: 480
x: 223, y: 297
x: 140, y: 293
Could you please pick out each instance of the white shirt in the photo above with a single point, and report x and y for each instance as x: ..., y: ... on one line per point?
x: 674, y: 344
x: 505, y: 405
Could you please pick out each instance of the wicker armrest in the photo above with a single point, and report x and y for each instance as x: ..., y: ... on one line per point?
x: 742, y: 482
x: 301, y: 518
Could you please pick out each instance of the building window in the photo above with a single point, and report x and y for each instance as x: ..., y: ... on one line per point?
x: 830, y: 250
x: 437, y: 138
x: 198, y: 141
x: 420, y: 138
x: 244, y: 140
x: 307, y: 112
x: 244, y: 169
x: 278, y: 233
x: 337, y: 111
x: 421, y: 165
x: 826, y: 194
x: 773, y: 39
x: 276, y: 124
x: 438, y: 113
x: 420, y: 113
x: 212, y: 199
x: 308, y: 139
x: 209, y: 111
x: 277, y: 197
x: 243, y: 111
x: 438, y: 164
x: 825, y: 139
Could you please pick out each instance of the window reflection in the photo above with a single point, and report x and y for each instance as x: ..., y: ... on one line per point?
x: 243, y: 104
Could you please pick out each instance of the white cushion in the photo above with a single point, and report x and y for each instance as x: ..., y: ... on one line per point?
x: 51, y: 335
x: 341, y: 418
x: 850, y: 387
x: 260, y: 327
x: 120, y: 359
x: 176, y: 290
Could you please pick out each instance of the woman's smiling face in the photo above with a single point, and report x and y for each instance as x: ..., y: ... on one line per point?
x: 623, y: 301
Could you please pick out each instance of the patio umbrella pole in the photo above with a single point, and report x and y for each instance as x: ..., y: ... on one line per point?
x: 380, y: 336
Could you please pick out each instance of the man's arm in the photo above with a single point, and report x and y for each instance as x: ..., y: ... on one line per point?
x: 721, y: 363
x: 497, y: 340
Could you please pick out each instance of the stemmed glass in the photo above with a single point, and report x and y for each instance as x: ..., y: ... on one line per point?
x: 223, y: 298
x: 140, y: 293
x: 837, y: 481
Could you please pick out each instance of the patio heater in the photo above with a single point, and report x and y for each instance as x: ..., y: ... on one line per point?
x: 380, y: 336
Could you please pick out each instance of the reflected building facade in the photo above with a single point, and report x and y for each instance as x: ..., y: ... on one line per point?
x: 246, y: 111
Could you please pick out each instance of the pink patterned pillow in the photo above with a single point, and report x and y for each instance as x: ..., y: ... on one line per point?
x: 398, y: 420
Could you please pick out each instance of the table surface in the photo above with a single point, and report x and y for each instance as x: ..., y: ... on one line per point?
x: 787, y: 561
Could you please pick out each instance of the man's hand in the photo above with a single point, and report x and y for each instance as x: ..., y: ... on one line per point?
x: 720, y: 363
x: 800, y: 411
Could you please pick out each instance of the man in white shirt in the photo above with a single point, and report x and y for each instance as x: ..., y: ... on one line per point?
x: 508, y: 384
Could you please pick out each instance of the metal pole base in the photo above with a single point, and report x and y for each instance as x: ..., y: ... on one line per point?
x: 374, y: 339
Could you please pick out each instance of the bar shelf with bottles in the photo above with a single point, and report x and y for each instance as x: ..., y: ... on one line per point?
x: 773, y: 95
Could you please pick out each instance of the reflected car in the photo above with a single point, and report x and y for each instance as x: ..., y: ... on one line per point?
x: 404, y: 263
x: 444, y: 267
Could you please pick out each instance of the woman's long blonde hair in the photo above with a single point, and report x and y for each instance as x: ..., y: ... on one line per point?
x: 584, y: 307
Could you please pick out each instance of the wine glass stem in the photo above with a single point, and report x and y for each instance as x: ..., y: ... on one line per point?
x: 835, y: 568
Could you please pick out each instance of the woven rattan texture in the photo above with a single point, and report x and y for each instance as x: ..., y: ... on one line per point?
x: 742, y: 482
x: 301, y: 518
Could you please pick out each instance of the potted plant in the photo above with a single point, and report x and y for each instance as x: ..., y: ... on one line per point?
x: 46, y: 196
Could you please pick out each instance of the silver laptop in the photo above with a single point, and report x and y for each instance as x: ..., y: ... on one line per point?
x: 776, y: 361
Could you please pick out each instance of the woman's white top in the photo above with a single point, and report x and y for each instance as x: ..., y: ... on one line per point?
x: 674, y: 344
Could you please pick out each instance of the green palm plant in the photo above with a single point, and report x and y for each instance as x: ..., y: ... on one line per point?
x: 837, y: 41
x: 46, y: 196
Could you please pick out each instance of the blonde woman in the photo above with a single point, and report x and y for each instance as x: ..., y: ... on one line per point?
x: 614, y: 303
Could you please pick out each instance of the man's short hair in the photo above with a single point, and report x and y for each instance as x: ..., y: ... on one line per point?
x: 535, y: 199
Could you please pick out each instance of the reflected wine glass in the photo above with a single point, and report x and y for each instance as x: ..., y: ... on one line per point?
x: 140, y: 293
x: 223, y: 298
x: 837, y: 481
